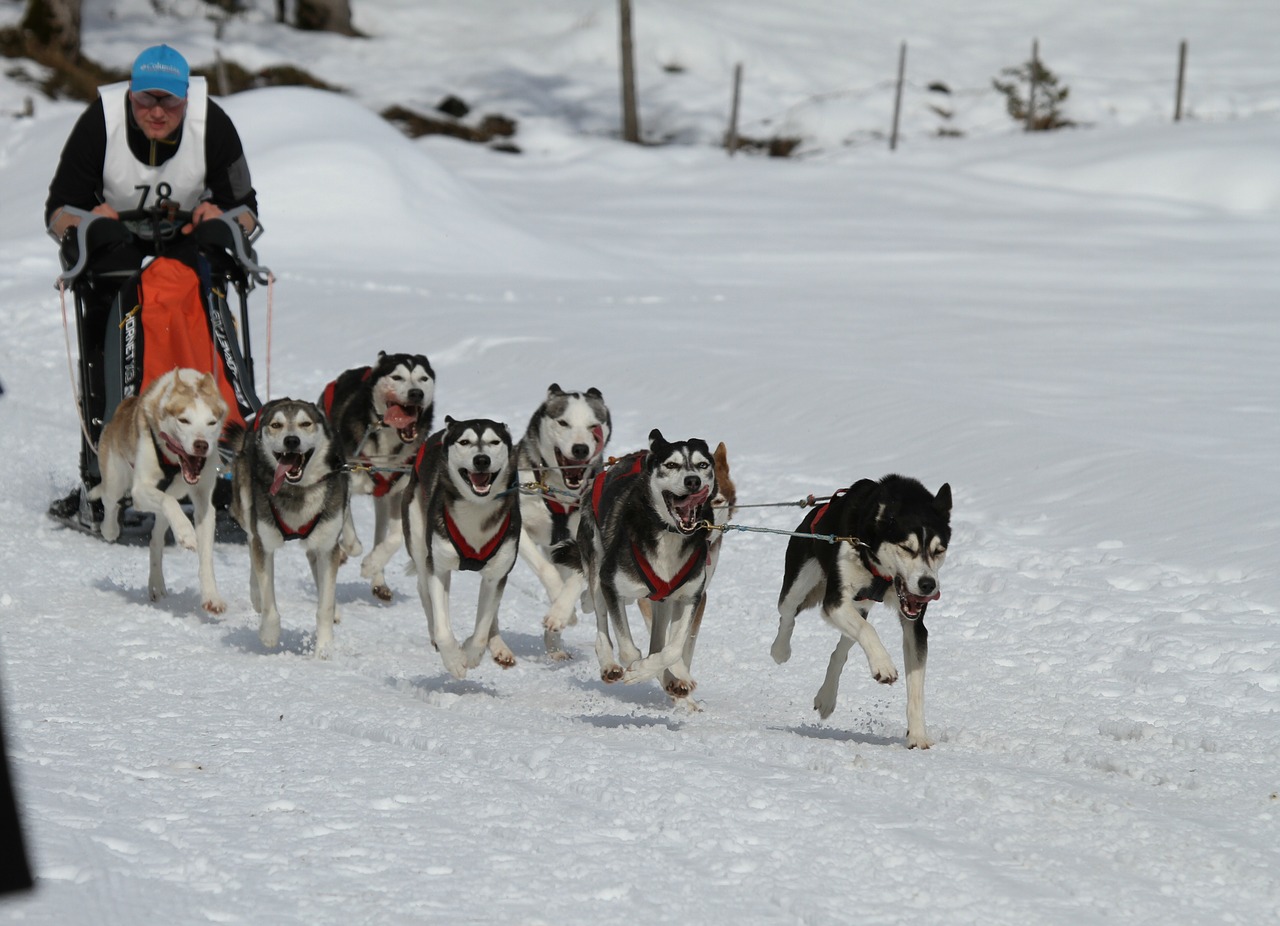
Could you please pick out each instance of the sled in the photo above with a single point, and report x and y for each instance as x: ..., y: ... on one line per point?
x: 173, y: 311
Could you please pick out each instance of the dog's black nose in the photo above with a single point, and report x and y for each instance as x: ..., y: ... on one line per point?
x: 480, y: 462
x: 927, y: 585
x: 581, y: 451
x: 415, y: 396
x: 693, y: 483
x: 292, y: 442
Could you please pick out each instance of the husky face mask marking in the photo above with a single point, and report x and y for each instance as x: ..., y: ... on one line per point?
x: 291, y: 435
x: 477, y: 455
x: 405, y: 386
x: 912, y: 557
x: 576, y: 429
x: 682, y: 478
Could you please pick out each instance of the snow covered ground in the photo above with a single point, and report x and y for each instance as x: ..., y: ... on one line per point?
x: 1076, y: 331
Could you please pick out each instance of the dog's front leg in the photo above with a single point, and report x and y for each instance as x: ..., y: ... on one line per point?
x: 681, y: 686
x: 486, y: 635
x: 542, y: 567
x: 324, y: 567
x: 605, y: 602
x: 851, y: 621
x: 387, y: 537
x: 825, y: 701
x: 669, y: 636
x: 155, y: 580
x: 147, y: 497
x: 915, y: 652
x: 206, y: 521
x: 263, y: 564
x: 434, y: 588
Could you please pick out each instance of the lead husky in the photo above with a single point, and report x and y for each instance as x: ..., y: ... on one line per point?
x: 156, y: 448
x: 290, y: 484
x: 641, y: 537
x: 462, y: 513
x: 560, y: 451
x: 899, y: 535
x: 380, y: 416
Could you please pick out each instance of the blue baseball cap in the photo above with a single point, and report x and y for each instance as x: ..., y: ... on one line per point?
x: 160, y: 68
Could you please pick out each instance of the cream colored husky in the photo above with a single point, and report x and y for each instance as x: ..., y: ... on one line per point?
x: 159, y: 448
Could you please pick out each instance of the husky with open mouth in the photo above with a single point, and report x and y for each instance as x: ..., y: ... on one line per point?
x: 159, y: 448
x: 644, y: 535
x: 874, y: 541
x: 289, y: 483
x: 381, y: 414
x: 562, y: 452
x: 462, y: 514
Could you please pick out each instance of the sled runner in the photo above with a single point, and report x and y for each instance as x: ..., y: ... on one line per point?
x: 174, y: 311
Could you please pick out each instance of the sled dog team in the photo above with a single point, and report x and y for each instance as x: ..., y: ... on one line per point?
x: 597, y: 531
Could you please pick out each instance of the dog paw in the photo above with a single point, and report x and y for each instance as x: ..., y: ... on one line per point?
x: 455, y: 662
x: 214, y: 604
x: 157, y: 590
x: 505, y: 658
x: 918, y: 740
x: 885, y: 674
x: 611, y: 673
x: 780, y: 651
x: 269, y: 634
x: 324, y: 648
x: 679, y: 687
x: 824, y: 703
x: 554, y: 623
x: 381, y: 592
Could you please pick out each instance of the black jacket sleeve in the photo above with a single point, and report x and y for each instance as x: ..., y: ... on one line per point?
x: 78, y: 179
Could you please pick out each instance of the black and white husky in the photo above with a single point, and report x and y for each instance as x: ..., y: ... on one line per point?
x: 642, y: 536
x: 897, y: 540
x: 289, y: 484
x: 380, y: 416
x: 562, y: 452
x: 462, y: 513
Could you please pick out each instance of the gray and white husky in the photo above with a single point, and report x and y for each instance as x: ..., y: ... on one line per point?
x: 289, y: 484
x: 642, y: 536
x: 380, y: 415
x: 562, y: 452
x: 462, y: 513
x: 900, y: 534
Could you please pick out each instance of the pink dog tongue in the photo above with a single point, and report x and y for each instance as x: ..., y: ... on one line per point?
x: 397, y: 417
x: 282, y: 471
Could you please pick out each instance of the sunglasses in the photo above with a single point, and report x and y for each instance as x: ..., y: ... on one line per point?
x: 144, y: 100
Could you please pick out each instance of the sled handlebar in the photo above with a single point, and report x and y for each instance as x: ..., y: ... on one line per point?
x: 164, y: 223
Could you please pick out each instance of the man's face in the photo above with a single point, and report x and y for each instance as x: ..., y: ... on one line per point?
x: 158, y: 114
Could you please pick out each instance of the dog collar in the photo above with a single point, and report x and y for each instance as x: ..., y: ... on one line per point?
x: 169, y: 469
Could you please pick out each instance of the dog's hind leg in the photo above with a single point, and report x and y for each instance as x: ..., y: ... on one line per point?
x: 825, y: 701
x: 324, y: 568
x: 915, y: 652
x: 349, y: 543
x: 799, y: 593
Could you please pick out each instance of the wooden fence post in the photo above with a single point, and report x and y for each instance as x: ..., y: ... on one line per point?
x: 1182, y: 72
x: 897, y: 96
x: 731, y: 136
x: 630, y: 117
x: 1032, y: 73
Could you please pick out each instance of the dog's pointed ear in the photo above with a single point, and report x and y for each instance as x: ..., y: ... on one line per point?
x: 656, y: 439
x: 382, y: 355
x: 595, y: 393
x: 943, y: 498
x: 554, y: 390
x: 448, y: 419
x: 721, y: 456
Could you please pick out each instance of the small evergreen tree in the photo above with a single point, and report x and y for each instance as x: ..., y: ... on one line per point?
x: 1033, y: 97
